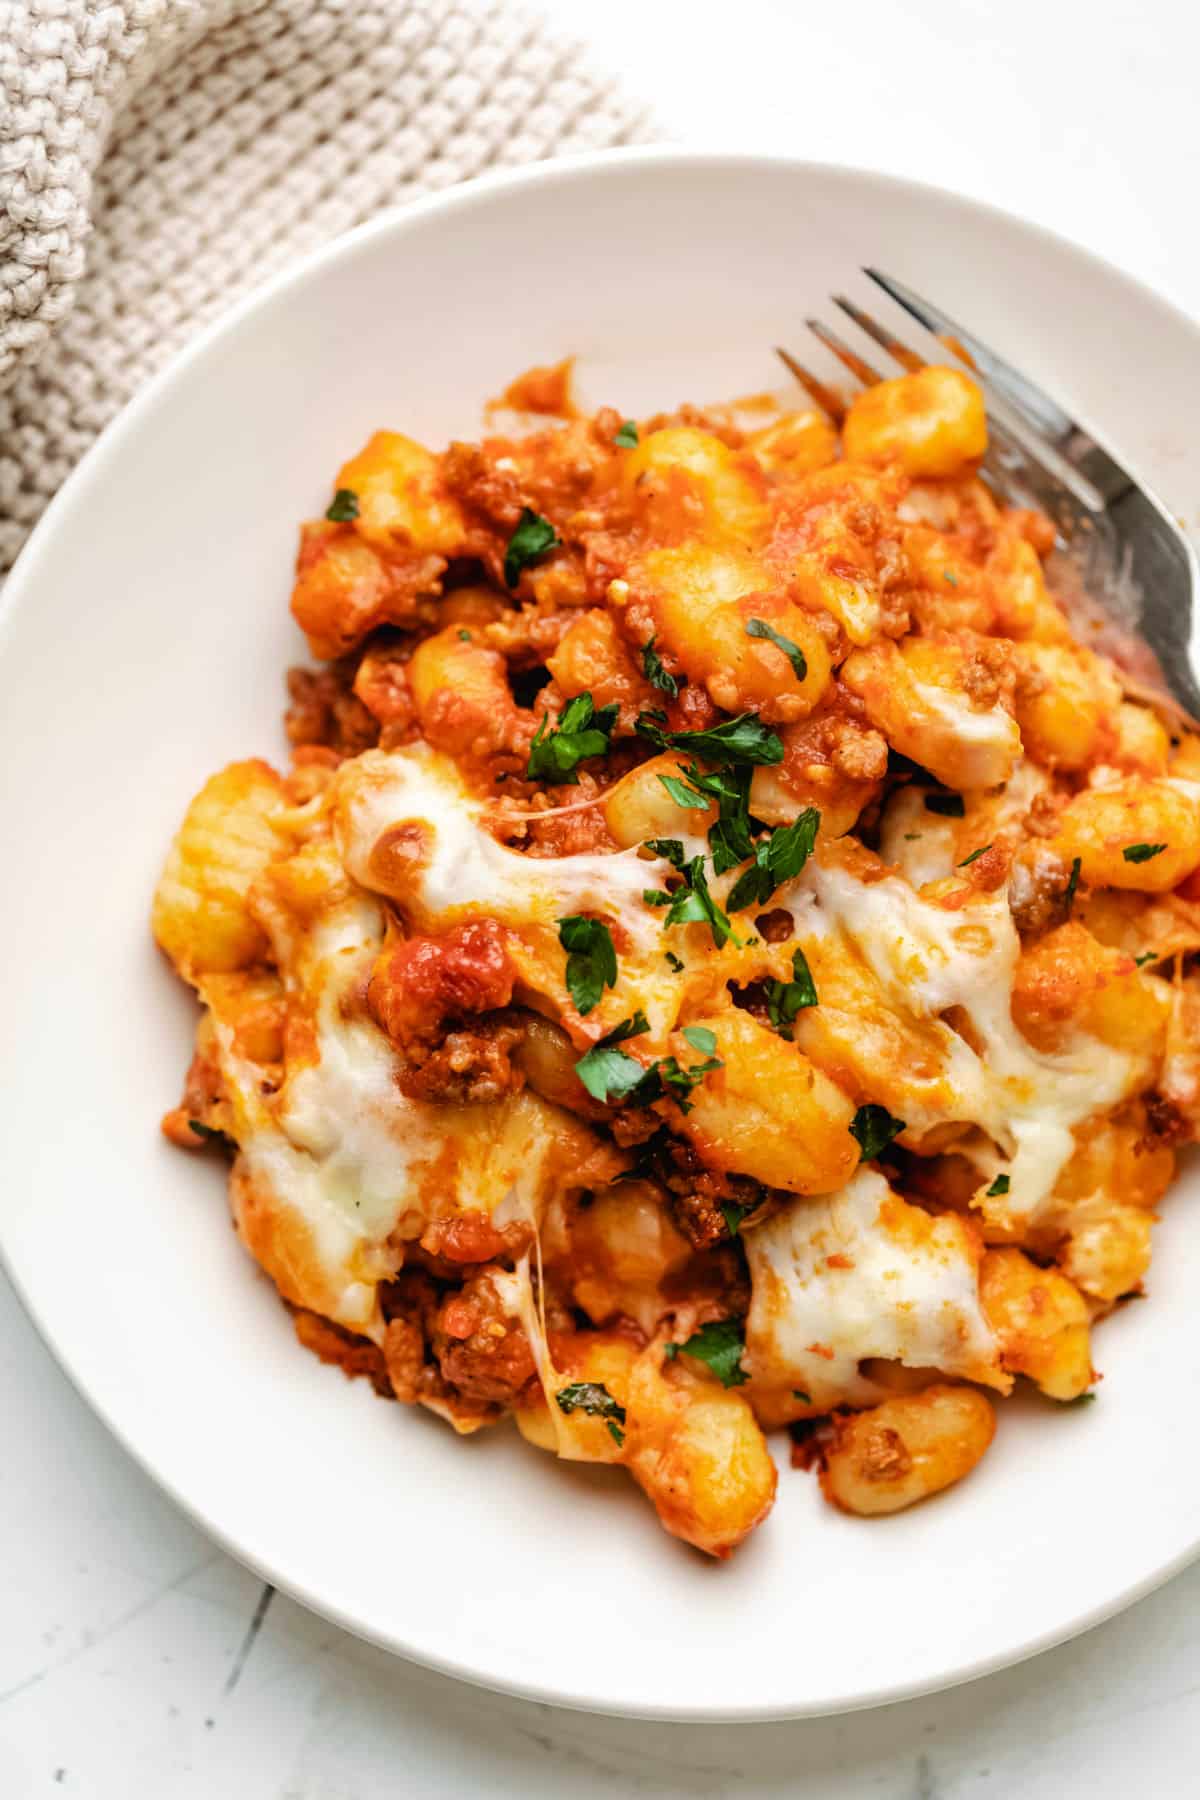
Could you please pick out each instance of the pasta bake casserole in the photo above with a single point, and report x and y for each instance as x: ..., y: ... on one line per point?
x: 719, y: 958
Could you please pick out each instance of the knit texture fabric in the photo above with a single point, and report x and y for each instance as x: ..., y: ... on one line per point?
x: 160, y: 157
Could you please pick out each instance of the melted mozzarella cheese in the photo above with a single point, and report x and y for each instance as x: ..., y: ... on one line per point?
x: 364, y: 1167
x: 929, y: 960
x: 987, y: 739
x: 914, y: 840
x: 857, y: 1275
x: 463, y: 872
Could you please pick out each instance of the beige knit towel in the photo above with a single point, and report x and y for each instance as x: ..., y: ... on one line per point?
x: 159, y: 157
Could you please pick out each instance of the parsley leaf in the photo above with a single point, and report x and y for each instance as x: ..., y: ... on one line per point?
x: 1078, y: 1400
x: 344, y: 505
x: 731, y: 839
x: 591, y: 959
x: 627, y: 436
x: 787, y: 998
x: 950, y: 806
x: 777, y: 859
x: 1147, y: 956
x: 657, y: 897
x: 632, y: 1027
x: 532, y: 538
x: 209, y: 1133
x: 1072, y: 885
x: 670, y: 849
x: 874, y: 1127
x: 733, y: 1216
x: 464, y: 637
x: 593, y: 1398
x: 653, y: 670
x: 668, y: 1077
x: 974, y: 856
x: 673, y: 962
x: 694, y: 905
x: 582, y: 730
x: 758, y: 628
x: 684, y: 796
x: 742, y: 740
x: 720, y: 1345
x: 1001, y: 1185
x: 1140, y: 853
x: 609, y: 1075
x: 701, y: 1038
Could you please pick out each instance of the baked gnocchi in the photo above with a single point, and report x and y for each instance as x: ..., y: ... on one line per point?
x: 718, y: 961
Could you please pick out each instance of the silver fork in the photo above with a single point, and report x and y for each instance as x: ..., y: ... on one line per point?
x: 1117, y: 545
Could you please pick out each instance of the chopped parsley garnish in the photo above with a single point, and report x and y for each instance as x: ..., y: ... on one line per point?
x: 1078, y: 1400
x: 759, y: 628
x: 670, y: 849
x: 974, y: 856
x: 731, y: 839
x: 683, y: 795
x: 627, y: 436
x: 591, y: 959
x: 343, y: 506
x: 677, y: 1082
x: 720, y: 1345
x: 1140, y: 853
x: 777, y: 859
x: 694, y: 905
x: 209, y: 1133
x: 874, y: 1128
x: 673, y: 962
x: 952, y: 579
x: 582, y: 730
x: 609, y: 1074
x: 464, y: 637
x: 532, y: 538
x: 654, y: 672
x: 787, y: 998
x: 799, y: 1394
x: 742, y: 740
x: 950, y: 806
x: 1147, y: 956
x: 593, y: 1398
x: 733, y: 1216
x: 1072, y: 885
x: 1001, y: 1185
x: 657, y: 897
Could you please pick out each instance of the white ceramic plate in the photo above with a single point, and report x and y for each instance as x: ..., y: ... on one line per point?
x: 144, y: 638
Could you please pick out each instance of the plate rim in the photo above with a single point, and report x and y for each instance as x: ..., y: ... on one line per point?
x: 23, y: 576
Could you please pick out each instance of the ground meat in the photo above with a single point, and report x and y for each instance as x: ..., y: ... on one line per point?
x: 420, y: 982
x: 353, y: 1355
x: 470, y: 1237
x: 493, y: 494
x: 698, y: 1194
x: 382, y: 685
x: 481, y: 1350
x: 324, y: 710
x: 1038, y: 895
x: 404, y: 1358
x: 471, y: 1065
x: 776, y: 926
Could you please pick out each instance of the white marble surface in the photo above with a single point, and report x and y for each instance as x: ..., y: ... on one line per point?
x: 129, y: 1659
